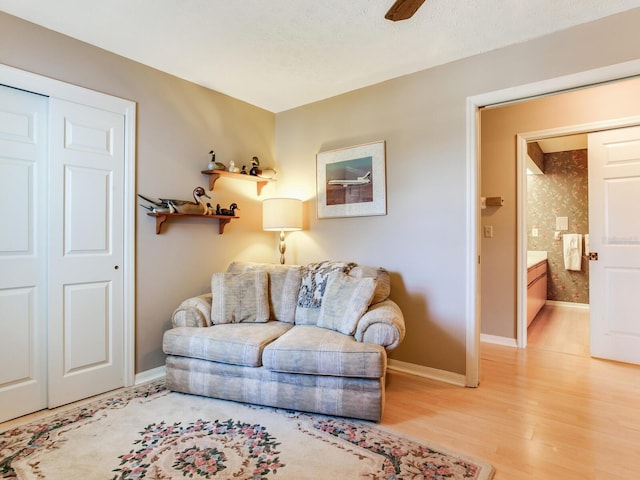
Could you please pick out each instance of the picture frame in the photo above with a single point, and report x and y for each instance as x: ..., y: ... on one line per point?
x: 351, y: 182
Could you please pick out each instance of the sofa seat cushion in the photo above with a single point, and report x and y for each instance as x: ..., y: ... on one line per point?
x: 232, y: 343
x: 314, y: 350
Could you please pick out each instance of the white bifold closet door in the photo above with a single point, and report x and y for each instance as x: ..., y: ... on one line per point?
x: 61, y: 252
x: 23, y: 253
x: 86, y: 178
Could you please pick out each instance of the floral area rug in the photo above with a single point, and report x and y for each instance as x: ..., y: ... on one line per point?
x: 147, y: 432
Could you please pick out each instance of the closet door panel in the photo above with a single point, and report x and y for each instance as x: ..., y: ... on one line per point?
x: 23, y: 154
x: 86, y: 323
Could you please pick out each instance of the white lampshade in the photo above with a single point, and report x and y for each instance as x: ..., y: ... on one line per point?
x: 282, y: 214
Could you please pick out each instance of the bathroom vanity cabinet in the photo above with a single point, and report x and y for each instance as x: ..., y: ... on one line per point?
x: 536, y: 288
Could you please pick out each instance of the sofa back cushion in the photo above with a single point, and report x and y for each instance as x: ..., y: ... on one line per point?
x: 238, y: 298
x: 283, y: 286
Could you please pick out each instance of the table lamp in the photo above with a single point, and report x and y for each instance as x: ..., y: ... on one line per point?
x: 283, y: 215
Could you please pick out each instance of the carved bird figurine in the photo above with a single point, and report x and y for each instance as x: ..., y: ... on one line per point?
x: 185, y: 206
x: 156, y: 209
x: 157, y: 206
x: 227, y: 211
x: 255, y: 162
x: 213, y: 165
x: 171, y: 205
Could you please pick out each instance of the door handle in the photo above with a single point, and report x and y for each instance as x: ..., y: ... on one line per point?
x: 593, y: 256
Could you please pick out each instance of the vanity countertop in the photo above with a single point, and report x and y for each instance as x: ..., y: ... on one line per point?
x: 535, y: 256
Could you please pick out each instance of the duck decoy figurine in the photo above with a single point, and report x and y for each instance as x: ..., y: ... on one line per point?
x: 156, y: 209
x: 157, y: 206
x: 171, y: 205
x: 197, y: 207
x: 213, y: 165
x: 227, y: 211
x: 255, y: 162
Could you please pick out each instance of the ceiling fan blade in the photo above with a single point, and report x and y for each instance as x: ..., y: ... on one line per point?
x: 403, y: 9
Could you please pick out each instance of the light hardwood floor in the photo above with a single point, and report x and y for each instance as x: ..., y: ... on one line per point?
x: 537, y: 414
x: 560, y: 328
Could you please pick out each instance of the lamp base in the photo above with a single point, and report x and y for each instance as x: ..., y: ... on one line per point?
x: 282, y: 247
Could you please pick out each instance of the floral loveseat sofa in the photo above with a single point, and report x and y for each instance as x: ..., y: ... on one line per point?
x: 312, y: 338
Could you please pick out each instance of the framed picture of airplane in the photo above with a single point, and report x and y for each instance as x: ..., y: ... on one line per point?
x: 351, y: 181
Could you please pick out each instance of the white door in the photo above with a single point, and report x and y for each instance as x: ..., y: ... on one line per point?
x: 86, y: 208
x: 23, y: 150
x: 614, y: 223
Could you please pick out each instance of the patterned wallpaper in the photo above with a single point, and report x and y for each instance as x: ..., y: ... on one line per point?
x: 561, y: 192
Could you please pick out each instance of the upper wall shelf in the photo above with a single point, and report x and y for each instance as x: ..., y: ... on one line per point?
x: 214, y: 175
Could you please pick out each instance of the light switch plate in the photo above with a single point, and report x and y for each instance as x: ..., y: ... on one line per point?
x: 488, y: 231
x: 562, y: 223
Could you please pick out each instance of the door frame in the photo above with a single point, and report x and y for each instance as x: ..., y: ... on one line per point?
x: 473, y: 258
x: 49, y: 87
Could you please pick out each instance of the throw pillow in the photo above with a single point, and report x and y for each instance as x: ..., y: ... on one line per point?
x: 239, y: 298
x: 345, y: 300
x: 312, y: 288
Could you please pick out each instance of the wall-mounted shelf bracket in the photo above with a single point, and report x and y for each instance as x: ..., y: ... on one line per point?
x: 163, y: 217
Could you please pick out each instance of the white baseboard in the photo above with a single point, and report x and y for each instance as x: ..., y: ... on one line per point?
x: 427, y: 372
x: 506, y: 341
x: 556, y: 303
x: 150, y: 375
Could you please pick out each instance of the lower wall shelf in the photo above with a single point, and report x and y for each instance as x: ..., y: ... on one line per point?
x: 162, y: 217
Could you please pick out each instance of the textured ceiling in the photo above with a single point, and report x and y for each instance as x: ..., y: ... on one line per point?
x: 280, y: 54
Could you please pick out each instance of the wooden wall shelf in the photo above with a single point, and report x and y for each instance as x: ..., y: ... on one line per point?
x: 214, y: 175
x: 163, y: 217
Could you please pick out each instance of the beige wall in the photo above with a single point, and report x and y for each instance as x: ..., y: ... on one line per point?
x: 421, y: 239
x: 178, y: 123
x: 422, y: 117
x: 499, y: 129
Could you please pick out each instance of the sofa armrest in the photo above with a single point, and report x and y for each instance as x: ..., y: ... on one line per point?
x: 382, y: 324
x: 193, y: 312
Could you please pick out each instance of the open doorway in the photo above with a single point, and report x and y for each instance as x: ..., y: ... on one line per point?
x: 504, y: 250
x: 557, y: 221
x: 608, y: 226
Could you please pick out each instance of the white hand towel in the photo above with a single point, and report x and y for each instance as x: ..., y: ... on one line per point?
x: 586, y: 244
x: 572, y: 248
